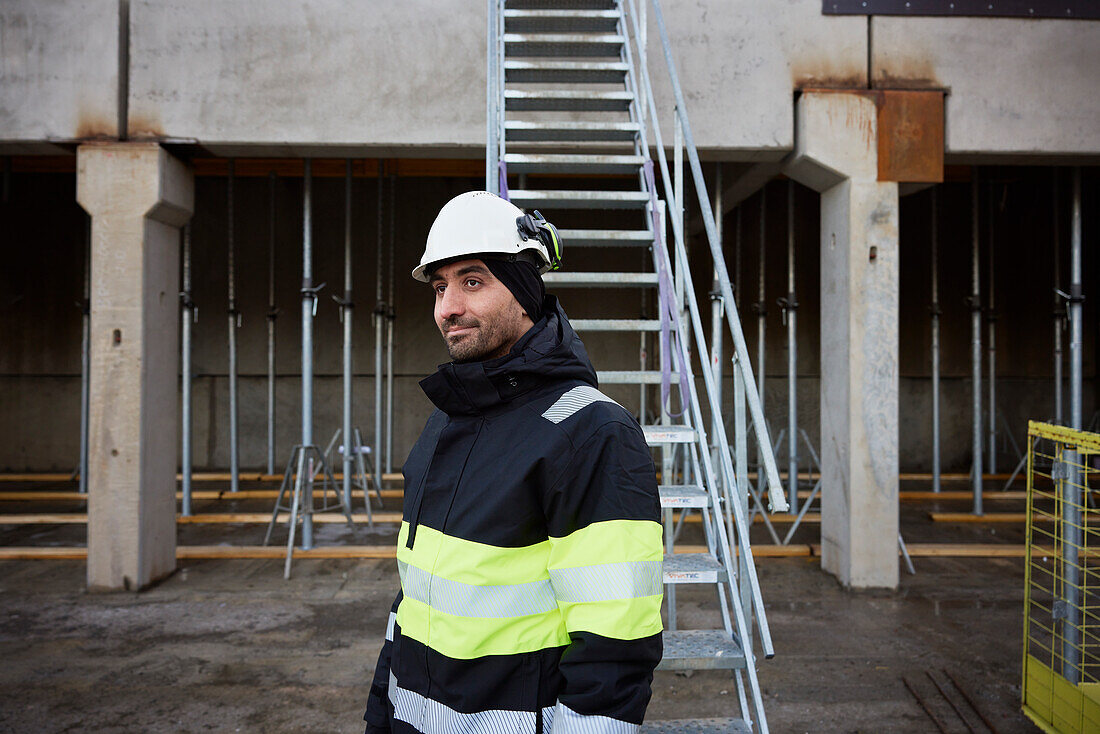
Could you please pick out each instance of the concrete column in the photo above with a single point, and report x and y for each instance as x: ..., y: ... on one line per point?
x: 836, y: 153
x: 138, y: 197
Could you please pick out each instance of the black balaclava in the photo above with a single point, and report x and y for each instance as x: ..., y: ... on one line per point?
x: 523, y: 280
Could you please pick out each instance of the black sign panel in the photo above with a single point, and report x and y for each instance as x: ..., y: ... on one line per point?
x: 1068, y: 9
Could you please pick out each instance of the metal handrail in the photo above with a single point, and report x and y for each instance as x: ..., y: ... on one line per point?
x: 728, y: 475
x: 778, y: 502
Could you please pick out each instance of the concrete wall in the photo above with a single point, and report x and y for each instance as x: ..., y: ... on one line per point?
x: 41, y: 285
x: 285, y: 78
x: 59, y: 72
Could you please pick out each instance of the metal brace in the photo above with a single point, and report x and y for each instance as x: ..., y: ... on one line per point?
x: 787, y: 304
x: 311, y: 292
x: 186, y: 302
x: 343, y: 303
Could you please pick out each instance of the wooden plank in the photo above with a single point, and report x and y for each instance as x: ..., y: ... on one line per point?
x: 197, y: 552
x: 265, y: 517
x: 198, y: 494
x: 26, y: 553
x: 959, y: 494
x: 76, y: 518
x: 989, y: 517
x: 779, y: 517
x: 953, y: 550
x: 195, y: 477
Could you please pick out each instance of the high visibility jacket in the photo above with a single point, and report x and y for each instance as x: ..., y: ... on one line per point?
x: 530, y: 554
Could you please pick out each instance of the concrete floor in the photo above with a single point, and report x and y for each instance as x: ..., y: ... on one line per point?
x: 229, y: 646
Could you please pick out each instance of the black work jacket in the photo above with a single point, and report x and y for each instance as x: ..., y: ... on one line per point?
x: 530, y: 553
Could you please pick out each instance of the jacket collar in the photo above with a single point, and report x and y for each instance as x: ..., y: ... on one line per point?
x: 549, y: 352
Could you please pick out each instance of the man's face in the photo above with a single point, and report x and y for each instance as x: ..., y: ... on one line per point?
x: 478, y: 316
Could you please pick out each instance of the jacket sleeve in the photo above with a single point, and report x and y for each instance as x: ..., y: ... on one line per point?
x: 379, y: 715
x: 606, y: 571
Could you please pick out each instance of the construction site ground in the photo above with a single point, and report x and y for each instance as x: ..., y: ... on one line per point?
x: 226, y: 645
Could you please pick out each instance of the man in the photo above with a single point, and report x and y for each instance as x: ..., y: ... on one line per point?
x: 530, y: 549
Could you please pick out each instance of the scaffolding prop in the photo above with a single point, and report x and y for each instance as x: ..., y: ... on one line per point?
x: 272, y: 315
x: 935, y: 315
x: 390, y: 325
x: 347, y: 306
x: 189, y: 315
x: 789, y: 306
x: 1059, y: 310
x: 975, y: 303
x: 306, y: 460
x: 379, y: 321
x: 85, y: 352
x: 234, y: 323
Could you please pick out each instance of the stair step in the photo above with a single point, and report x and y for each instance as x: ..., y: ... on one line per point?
x: 516, y: 130
x: 560, y: 21
x: 562, y: 44
x: 615, y: 324
x: 696, y: 726
x: 660, y: 435
x: 567, y: 100
x: 683, y: 495
x: 579, y: 199
x: 632, y: 377
x: 563, y: 163
x: 693, y: 568
x: 561, y: 4
x: 701, y: 650
x: 606, y: 237
x: 565, y: 72
x: 610, y: 280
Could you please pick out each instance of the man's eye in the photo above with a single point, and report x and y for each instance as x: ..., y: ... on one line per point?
x: 472, y: 283
x: 440, y: 288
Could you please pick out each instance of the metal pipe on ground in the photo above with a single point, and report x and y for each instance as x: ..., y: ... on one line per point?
x: 234, y: 323
x: 935, y: 343
x: 976, y: 343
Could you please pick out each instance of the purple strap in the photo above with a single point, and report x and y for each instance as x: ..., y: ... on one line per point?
x: 503, y: 171
x: 666, y: 307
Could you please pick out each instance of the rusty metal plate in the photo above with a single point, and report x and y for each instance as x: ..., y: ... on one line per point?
x: 910, y: 136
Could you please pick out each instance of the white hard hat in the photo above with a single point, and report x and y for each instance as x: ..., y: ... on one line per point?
x: 480, y: 222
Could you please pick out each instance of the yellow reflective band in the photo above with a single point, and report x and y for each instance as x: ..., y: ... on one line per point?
x: 611, y: 541
x: 473, y: 563
x: 621, y: 619
x: 632, y: 550
x: 471, y: 637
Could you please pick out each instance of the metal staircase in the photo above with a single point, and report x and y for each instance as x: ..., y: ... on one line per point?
x: 570, y: 102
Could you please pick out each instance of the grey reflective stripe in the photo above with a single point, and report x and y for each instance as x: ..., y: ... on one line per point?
x: 607, y: 581
x: 567, y: 721
x: 468, y: 600
x: 572, y: 401
x: 389, y: 626
x: 433, y: 717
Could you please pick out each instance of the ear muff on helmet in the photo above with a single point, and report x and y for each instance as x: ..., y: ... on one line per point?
x: 535, y: 226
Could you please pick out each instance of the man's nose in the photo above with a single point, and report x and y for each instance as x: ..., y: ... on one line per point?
x: 452, y: 304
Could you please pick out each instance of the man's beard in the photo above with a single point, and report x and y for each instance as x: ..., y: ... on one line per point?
x: 487, y: 340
